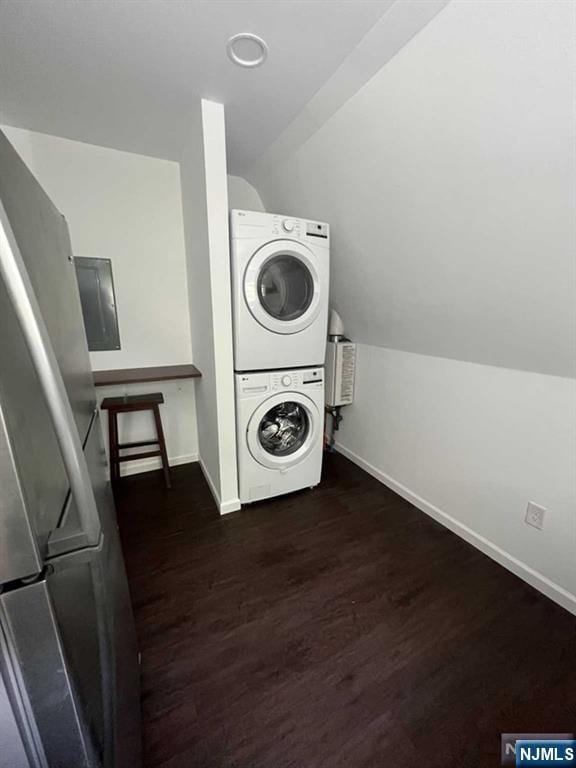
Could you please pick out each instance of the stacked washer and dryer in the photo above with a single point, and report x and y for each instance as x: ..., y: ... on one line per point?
x: 280, y: 282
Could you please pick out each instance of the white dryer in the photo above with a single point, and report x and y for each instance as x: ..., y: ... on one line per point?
x: 280, y: 283
x: 280, y: 427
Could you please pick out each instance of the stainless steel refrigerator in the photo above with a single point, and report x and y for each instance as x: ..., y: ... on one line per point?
x: 69, y: 678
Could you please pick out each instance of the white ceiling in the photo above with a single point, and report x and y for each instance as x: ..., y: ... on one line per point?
x: 123, y: 73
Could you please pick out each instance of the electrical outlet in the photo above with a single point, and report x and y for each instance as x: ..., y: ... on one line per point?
x: 535, y: 515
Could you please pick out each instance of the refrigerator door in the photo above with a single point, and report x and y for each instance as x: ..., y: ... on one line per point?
x: 46, y: 398
x: 121, y: 720
x: 31, y: 454
x: 44, y: 689
x: 44, y: 243
x: 72, y: 641
x: 20, y: 554
x: 70, y: 534
x: 19, y: 742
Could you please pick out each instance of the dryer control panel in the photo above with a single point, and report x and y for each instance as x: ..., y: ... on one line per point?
x: 254, y: 224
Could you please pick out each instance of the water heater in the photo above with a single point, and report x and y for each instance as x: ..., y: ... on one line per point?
x: 340, y: 372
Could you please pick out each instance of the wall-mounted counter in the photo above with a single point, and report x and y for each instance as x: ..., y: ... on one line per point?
x: 141, y: 375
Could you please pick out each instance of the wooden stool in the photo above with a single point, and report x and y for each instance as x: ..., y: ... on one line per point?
x: 116, y: 405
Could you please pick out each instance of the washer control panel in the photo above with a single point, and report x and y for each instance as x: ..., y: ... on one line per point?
x: 293, y: 380
x: 296, y: 379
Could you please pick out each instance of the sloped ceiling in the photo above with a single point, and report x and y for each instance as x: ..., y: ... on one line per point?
x: 124, y: 73
x: 448, y: 184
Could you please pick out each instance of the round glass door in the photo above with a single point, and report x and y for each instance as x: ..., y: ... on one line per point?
x: 284, y: 429
x: 285, y: 287
x: 282, y: 286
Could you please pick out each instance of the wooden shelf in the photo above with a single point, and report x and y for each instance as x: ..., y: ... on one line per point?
x: 140, y: 375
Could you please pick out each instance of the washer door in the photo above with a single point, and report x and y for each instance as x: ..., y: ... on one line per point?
x: 283, y: 430
x: 281, y: 286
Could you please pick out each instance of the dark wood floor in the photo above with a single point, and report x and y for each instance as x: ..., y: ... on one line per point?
x: 336, y: 628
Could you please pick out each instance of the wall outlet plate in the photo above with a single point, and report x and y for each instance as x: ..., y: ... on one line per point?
x: 535, y: 515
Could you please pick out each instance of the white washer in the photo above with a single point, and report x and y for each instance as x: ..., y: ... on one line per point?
x: 280, y: 420
x: 280, y: 282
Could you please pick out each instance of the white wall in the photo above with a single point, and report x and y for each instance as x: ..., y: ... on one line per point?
x: 205, y: 208
x: 472, y: 444
x: 127, y: 208
x: 449, y: 182
x: 242, y: 195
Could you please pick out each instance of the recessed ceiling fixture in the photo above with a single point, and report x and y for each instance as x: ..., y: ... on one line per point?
x: 247, y: 50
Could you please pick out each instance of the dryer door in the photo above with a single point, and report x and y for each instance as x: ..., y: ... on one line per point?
x: 282, y: 286
x: 283, y: 430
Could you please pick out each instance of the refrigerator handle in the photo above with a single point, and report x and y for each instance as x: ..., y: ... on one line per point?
x: 13, y: 272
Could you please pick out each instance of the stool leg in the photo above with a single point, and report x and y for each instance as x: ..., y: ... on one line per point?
x: 162, y: 446
x: 113, y: 442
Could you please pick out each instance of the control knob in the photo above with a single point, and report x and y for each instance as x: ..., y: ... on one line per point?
x: 288, y: 225
x: 286, y: 381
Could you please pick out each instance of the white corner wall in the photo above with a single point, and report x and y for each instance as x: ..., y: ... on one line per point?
x: 205, y: 209
x: 449, y: 181
x: 242, y: 195
x: 127, y: 208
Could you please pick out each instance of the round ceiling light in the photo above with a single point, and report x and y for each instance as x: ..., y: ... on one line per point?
x: 247, y: 50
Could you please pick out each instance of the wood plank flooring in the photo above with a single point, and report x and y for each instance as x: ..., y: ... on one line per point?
x: 333, y: 628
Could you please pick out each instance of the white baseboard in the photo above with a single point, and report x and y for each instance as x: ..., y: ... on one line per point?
x: 232, y: 505
x: 534, y: 578
x: 147, y: 465
x: 224, y: 507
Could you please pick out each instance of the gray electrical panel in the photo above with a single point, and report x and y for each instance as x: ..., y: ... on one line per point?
x: 98, y: 303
